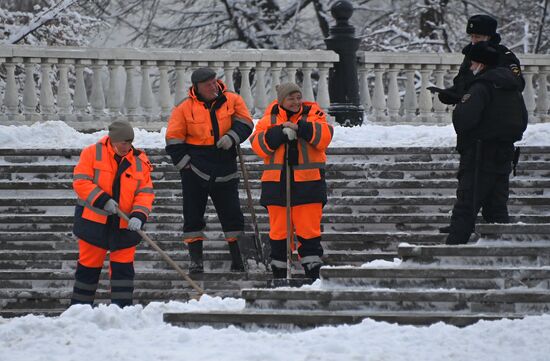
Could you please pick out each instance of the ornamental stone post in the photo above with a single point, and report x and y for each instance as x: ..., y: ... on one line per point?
x: 345, y: 103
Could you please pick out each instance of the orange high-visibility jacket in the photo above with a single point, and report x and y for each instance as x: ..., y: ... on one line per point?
x: 308, y: 175
x: 97, y: 178
x: 195, y: 127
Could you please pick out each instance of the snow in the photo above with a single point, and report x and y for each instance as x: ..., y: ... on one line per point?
x: 56, y: 134
x: 138, y: 333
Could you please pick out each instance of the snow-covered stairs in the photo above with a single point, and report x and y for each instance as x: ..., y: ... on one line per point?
x: 459, y: 285
x: 378, y: 198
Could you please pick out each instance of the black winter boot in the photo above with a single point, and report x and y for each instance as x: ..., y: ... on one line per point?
x: 278, y: 272
x: 195, y: 255
x: 236, y: 259
x: 312, y: 270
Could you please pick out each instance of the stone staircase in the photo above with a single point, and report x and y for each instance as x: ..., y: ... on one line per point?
x: 380, y: 200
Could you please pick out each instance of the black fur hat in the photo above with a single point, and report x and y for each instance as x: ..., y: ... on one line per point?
x: 484, y: 53
x: 482, y: 24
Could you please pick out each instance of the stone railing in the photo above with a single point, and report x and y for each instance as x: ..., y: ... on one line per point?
x: 393, y: 86
x: 88, y: 87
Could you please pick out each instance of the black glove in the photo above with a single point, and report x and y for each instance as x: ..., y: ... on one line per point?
x: 274, y: 137
x: 446, y: 96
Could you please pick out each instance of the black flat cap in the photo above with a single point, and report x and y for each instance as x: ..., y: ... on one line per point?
x: 484, y: 53
x: 202, y: 74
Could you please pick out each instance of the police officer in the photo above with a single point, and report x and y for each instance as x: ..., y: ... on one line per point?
x: 490, y: 117
x: 202, y: 135
x: 480, y: 28
x: 110, y: 175
x: 299, y: 128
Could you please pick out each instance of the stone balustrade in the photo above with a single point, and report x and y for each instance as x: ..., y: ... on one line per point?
x: 393, y: 86
x: 88, y: 87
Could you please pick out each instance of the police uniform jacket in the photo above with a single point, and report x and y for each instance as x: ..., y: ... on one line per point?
x: 461, y: 82
x: 491, y: 111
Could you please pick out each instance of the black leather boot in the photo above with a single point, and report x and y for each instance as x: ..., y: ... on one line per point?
x: 278, y: 272
x: 312, y: 270
x: 195, y: 255
x: 236, y: 258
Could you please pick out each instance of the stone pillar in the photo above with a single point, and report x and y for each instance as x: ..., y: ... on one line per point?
x: 343, y: 82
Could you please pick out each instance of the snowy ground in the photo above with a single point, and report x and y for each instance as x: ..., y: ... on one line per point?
x: 54, y: 134
x: 138, y: 334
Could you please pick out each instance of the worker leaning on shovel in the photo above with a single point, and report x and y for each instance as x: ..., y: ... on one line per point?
x: 109, y: 176
x: 293, y: 134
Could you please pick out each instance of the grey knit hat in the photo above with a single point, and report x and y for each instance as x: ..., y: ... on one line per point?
x: 285, y: 89
x: 202, y: 74
x: 121, y: 131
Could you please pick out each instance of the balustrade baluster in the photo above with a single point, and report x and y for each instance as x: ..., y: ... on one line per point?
x: 228, y: 72
x: 307, y: 87
x: 180, y: 92
x: 440, y: 109
x: 246, y: 92
x: 165, y: 100
x: 394, y: 102
x: 529, y: 91
x: 364, y: 87
x: 290, y: 71
x: 63, y: 94
x: 379, y: 98
x: 97, y: 98
x: 114, y: 96
x: 276, y: 69
x: 130, y: 96
x: 80, y: 97
x: 146, y: 94
x: 29, y: 91
x: 11, y: 100
x: 410, y: 93
x: 323, y: 97
x: 543, y: 103
x: 425, y: 96
x: 260, y: 99
x: 47, y: 107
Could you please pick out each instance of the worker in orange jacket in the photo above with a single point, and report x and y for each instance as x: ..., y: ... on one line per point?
x: 302, y: 127
x: 110, y: 175
x: 202, y: 135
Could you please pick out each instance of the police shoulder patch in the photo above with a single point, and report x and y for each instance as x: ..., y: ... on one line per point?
x: 466, y: 97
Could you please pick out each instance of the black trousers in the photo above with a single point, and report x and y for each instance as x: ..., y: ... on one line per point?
x: 492, y: 197
x: 224, y: 195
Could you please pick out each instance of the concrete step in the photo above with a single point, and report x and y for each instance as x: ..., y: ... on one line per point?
x: 288, y: 318
x: 521, y: 301
x: 341, y: 205
x: 147, y: 259
x: 483, y: 253
x: 172, y: 241
x: 412, y: 275
x: 330, y: 223
x: 514, y: 228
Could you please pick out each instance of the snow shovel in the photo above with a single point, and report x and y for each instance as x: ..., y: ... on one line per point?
x: 164, y: 255
x: 251, y: 249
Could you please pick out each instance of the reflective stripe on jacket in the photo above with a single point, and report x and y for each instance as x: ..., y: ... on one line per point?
x: 195, y: 127
x: 97, y: 178
x: 307, y: 178
x: 311, y: 152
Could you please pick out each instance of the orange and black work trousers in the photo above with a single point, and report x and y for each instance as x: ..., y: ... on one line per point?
x: 88, y: 269
x: 225, y: 197
x: 306, y: 223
